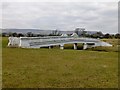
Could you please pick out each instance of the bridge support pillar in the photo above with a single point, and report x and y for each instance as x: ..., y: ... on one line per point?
x: 75, y: 46
x: 85, y: 46
x: 50, y: 47
x: 61, y: 46
x: 88, y: 45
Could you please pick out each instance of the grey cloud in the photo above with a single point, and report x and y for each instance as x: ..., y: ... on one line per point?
x: 65, y: 16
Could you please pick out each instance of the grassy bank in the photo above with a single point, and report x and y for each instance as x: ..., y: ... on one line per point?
x: 115, y: 46
x: 58, y: 68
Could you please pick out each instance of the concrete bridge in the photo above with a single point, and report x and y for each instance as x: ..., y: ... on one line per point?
x: 49, y: 41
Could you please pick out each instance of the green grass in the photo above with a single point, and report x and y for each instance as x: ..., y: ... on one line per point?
x: 51, y: 68
x: 114, y: 42
x: 114, y: 48
x: 0, y: 63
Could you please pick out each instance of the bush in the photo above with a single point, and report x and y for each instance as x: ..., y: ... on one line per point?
x: 70, y: 46
x: 106, y: 49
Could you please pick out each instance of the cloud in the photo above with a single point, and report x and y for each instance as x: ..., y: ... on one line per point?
x: 62, y: 15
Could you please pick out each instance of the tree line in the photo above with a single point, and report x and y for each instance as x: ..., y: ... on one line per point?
x: 57, y: 33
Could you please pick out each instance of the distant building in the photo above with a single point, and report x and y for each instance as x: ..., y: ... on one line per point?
x: 82, y: 32
x: 67, y: 32
x: 79, y: 31
x: 64, y: 35
x: 74, y: 35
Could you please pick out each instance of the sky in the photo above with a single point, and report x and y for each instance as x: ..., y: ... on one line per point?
x: 93, y: 16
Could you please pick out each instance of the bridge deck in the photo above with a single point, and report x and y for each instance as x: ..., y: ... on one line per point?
x: 37, y: 42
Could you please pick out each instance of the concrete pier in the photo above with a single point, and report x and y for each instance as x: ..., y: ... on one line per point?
x: 75, y: 46
x: 61, y: 46
x: 85, y: 46
x: 88, y: 45
x: 50, y: 47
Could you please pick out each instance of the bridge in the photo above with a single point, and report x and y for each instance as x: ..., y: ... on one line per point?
x: 49, y: 41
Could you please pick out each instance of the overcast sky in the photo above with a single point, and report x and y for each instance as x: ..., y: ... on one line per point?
x: 94, y: 16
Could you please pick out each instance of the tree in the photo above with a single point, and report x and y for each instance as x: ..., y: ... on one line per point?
x: 29, y: 34
x: 107, y: 35
x: 55, y: 33
x: 10, y: 34
x: 20, y: 35
x: 117, y: 35
x: 4, y: 34
x: 77, y: 31
x: 99, y: 33
x: 80, y: 31
x: 14, y: 34
x: 83, y: 33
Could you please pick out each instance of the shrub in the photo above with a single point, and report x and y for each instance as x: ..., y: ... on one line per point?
x: 106, y: 49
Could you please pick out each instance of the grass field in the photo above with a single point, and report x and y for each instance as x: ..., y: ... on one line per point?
x: 51, y: 68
